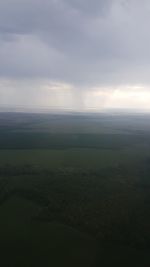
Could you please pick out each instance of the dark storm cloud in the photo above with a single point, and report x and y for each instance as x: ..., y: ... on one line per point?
x: 76, y: 41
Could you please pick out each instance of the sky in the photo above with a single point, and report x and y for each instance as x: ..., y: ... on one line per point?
x: 75, y: 54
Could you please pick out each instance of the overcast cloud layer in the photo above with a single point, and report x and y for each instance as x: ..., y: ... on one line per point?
x: 85, y: 46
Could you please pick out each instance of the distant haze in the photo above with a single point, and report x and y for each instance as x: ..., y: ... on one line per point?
x: 75, y: 54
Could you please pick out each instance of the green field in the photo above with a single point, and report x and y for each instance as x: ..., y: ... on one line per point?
x: 74, y: 157
x: 74, y: 190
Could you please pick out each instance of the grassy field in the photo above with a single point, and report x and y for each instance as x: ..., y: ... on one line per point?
x: 74, y: 190
x: 25, y: 243
x: 79, y: 158
x: 38, y: 244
